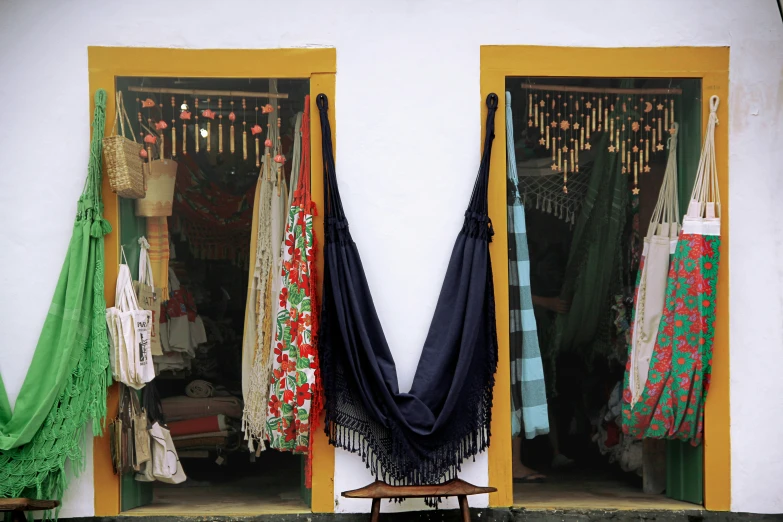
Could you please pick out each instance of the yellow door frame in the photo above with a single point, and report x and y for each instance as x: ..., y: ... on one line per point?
x: 711, y: 65
x: 105, y: 64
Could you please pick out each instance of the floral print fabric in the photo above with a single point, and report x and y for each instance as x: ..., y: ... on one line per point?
x: 672, y: 403
x: 293, y: 399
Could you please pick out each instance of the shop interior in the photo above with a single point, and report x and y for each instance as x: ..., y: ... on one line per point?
x: 220, y: 135
x: 218, y: 142
x: 585, y: 228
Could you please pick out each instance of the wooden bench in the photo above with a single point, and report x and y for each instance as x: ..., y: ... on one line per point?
x: 453, y: 488
x: 18, y: 506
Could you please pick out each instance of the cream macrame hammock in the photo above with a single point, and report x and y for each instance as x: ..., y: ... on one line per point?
x: 659, y: 245
x: 271, y: 205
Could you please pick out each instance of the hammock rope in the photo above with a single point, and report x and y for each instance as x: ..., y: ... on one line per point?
x: 419, y: 437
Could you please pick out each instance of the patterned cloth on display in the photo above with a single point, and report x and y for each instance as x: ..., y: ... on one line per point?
x: 672, y: 403
x: 158, y: 238
x: 293, y: 389
x: 528, y: 389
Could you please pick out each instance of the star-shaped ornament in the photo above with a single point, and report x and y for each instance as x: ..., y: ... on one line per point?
x: 659, y: 147
x: 554, y: 167
x: 565, y: 148
x: 624, y: 171
x: 647, y: 168
x: 576, y: 126
x: 635, y: 191
x: 611, y: 148
x: 672, y: 130
x: 542, y: 141
x: 553, y: 124
x: 529, y: 123
x: 564, y: 125
x: 588, y: 146
x: 647, y: 128
x: 635, y: 149
x: 659, y: 106
x: 542, y: 103
x: 588, y: 105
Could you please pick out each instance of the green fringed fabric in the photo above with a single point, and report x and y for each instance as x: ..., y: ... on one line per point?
x: 65, y: 387
x: 593, y: 271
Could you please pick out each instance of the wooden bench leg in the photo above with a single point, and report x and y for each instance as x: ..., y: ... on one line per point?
x: 376, y: 510
x: 463, y: 506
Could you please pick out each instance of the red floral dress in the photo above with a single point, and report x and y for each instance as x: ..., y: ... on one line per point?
x: 672, y: 403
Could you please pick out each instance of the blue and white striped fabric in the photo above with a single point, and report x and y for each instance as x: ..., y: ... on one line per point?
x: 528, y: 390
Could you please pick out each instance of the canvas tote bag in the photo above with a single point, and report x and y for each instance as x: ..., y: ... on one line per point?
x: 148, y: 295
x: 165, y: 465
x: 131, y: 334
x: 161, y: 179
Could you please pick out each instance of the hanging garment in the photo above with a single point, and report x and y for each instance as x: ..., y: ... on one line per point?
x: 294, y: 366
x: 659, y: 244
x: 421, y: 436
x: 672, y: 403
x: 158, y: 239
x: 528, y: 390
x: 593, y: 274
x: 65, y: 387
x: 260, y: 308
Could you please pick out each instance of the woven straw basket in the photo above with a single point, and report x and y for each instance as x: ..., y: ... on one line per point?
x: 160, y: 189
x: 122, y: 162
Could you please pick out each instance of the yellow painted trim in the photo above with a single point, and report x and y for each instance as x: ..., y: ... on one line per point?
x: 323, y: 452
x: 107, y: 63
x: 711, y: 64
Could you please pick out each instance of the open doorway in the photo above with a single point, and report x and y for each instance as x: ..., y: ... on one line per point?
x: 586, y: 217
x: 219, y: 135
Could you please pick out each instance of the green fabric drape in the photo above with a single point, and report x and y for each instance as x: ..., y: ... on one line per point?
x: 65, y: 387
x: 594, y: 261
x: 689, y: 137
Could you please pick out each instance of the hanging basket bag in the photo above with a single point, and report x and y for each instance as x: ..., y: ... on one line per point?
x: 122, y: 161
x: 160, y: 189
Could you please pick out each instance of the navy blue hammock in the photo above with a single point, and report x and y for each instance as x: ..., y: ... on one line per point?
x: 420, y: 437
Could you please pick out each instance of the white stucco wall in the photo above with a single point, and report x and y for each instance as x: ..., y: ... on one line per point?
x: 408, y: 120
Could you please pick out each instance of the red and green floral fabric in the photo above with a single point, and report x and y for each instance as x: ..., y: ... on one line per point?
x: 672, y: 404
x: 293, y: 399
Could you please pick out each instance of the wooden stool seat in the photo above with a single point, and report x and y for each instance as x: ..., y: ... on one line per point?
x: 453, y: 488
x: 17, y: 506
